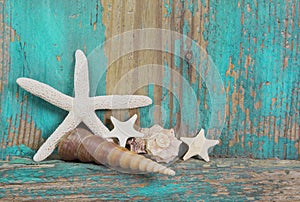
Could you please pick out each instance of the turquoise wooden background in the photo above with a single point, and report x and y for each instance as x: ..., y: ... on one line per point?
x: 254, y: 44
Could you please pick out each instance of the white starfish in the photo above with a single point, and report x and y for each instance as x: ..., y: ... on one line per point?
x: 81, y: 107
x: 123, y: 130
x: 198, y: 145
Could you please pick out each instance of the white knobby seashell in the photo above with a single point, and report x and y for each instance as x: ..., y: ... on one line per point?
x: 161, y: 144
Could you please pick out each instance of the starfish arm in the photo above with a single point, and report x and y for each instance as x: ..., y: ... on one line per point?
x: 114, y: 121
x: 47, y: 148
x: 122, y: 141
x: 95, y: 125
x: 187, y: 140
x: 121, y: 101
x: 204, y: 156
x: 47, y: 93
x: 207, y: 144
x: 81, y: 75
x: 188, y: 155
x: 201, y: 133
x: 133, y: 119
x: 126, y: 128
x: 116, y: 133
x: 136, y: 134
x: 211, y: 143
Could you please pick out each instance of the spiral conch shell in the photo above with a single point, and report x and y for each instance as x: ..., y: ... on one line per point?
x: 82, y: 145
x: 161, y: 144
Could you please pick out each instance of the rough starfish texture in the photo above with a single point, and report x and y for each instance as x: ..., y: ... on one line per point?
x: 123, y: 130
x: 198, y: 145
x: 81, y: 107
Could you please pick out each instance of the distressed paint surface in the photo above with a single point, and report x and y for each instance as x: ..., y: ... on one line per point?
x: 255, y: 48
x: 220, y: 180
x: 254, y: 44
x: 43, y: 40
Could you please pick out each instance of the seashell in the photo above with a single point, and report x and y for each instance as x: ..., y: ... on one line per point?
x: 137, y: 145
x: 80, y: 144
x: 161, y: 144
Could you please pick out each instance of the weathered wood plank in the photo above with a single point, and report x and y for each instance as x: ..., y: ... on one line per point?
x: 254, y: 44
x: 219, y: 180
x: 238, y: 37
x: 39, y: 40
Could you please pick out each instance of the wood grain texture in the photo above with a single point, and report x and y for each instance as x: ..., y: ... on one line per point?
x: 219, y: 180
x: 255, y: 48
x: 41, y: 46
x: 254, y: 45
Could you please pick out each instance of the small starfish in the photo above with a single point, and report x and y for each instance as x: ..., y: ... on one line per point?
x: 81, y: 107
x: 123, y: 130
x: 198, y: 145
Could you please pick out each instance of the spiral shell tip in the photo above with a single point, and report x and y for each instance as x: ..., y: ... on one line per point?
x: 169, y: 172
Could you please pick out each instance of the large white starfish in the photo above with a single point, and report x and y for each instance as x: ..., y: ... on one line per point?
x: 81, y: 107
x: 198, y: 145
x: 123, y: 130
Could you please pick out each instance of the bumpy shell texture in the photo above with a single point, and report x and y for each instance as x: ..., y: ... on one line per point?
x: 161, y: 144
x: 82, y: 145
x: 137, y: 145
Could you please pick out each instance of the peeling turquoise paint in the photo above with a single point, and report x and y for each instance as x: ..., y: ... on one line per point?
x: 189, y: 120
x: 252, y: 38
x: 263, y: 41
x: 261, y: 147
x: 177, y: 59
x: 203, y: 2
x: 266, y: 75
x: 198, y: 60
x: 168, y: 7
x: 193, y: 6
x: 147, y: 113
x: 186, y: 30
x: 220, y: 180
x: 151, y: 190
x: 165, y: 100
x: 43, y: 49
x: 19, y: 150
